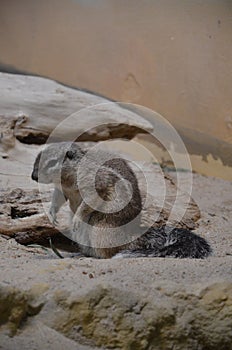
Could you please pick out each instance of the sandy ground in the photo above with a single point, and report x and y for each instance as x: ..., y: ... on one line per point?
x: 27, y: 268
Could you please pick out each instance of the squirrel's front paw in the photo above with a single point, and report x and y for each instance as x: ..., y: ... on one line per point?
x: 76, y: 223
x: 52, y: 217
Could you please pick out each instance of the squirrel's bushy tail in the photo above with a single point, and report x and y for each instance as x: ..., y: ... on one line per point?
x: 167, y: 242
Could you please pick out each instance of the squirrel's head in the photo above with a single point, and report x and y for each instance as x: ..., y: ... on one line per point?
x: 56, y: 160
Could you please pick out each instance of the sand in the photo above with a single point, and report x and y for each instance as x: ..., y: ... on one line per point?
x: 44, y: 275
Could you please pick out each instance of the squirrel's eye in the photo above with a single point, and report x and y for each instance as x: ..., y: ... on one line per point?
x: 70, y: 154
x: 51, y: 163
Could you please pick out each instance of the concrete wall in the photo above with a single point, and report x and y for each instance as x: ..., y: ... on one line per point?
x: 172, y: 56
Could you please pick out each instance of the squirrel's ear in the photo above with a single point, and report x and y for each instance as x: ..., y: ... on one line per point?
x: 70, y: 154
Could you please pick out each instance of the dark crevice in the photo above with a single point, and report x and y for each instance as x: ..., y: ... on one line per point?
x: 17, y: 213
x: 115, y: 132
x: 36, y: 139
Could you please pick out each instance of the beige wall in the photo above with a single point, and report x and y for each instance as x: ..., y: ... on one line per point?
x: 173, y: 56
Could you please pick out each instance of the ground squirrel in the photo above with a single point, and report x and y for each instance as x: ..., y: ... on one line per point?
x: 95, y: 183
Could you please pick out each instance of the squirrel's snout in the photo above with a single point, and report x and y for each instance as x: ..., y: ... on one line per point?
x: 34, y: 175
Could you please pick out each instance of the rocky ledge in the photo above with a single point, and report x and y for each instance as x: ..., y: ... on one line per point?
x: 82, y: 303
x: 85, y: 303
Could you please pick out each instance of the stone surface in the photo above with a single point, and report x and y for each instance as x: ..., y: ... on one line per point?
x: 123, y: 303
x: 32, y: 107
x: 83, y: 303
